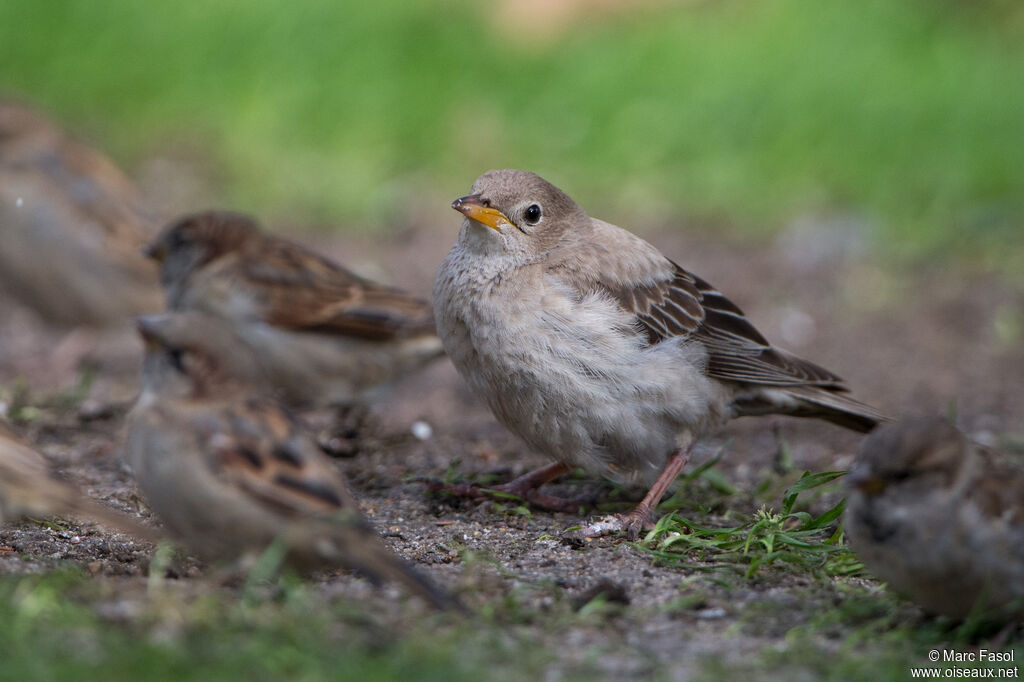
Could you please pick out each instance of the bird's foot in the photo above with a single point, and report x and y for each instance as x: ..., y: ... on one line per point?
x: 465, y: 491
x: 642, y: 517
x: 633, y: 523
x: 574, y: 505
x: 517, y: 490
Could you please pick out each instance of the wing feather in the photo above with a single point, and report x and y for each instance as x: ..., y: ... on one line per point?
x: 262, y: 454
x: 682, y: 305
x: 303, y: 291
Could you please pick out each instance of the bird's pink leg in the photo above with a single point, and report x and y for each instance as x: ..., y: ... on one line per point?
x: 641, y: 518
x: 529, y: 482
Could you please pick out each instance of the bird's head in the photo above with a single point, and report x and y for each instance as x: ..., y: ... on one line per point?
x: 191, y: 241
x: 192, y: 355
x: 920, y: 452
x: 519, y: 212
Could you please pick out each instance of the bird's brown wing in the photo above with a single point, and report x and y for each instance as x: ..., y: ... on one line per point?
x: 259, y: 450
x: 683, y: 305
x: 301, y: 290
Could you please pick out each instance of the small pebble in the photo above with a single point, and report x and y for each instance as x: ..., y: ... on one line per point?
x: 711, y: 614
x: 422, y: 430
x: 986, y: 438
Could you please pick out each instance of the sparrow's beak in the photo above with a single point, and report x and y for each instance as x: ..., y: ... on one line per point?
x: 866, y: 482
x: 474, y: 209
x: 155, y: 251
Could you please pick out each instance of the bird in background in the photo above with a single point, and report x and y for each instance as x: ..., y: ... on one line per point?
x: 600, y: 352
x: 939, y: 518
x: 230, y: 472
x: 28, y: 489
x: 322, y: 334
x: 71, y: 227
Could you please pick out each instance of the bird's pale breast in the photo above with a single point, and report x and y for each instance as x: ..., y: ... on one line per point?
x: 568, y: 373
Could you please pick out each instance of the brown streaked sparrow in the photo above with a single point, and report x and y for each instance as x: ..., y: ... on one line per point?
x: 322, y: 334
x: 230, y: 472
x: 71, y: 226
x: 939, y: 518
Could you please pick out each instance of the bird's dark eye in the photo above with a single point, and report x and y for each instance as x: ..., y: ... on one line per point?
x: 177, y: 358
x: 176, y: 240
x: 532, y: 214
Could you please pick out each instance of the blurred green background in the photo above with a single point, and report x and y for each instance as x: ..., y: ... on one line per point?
x: 905, y: 114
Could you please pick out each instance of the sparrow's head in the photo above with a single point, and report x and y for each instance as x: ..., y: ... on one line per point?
x: 926, y: 452
x: 193, y: 355
x: 192, y: 241
x: 521, y: 211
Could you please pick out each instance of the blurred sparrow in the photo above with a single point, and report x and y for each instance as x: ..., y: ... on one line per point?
x: 27, y: 489
x: 323, y: 335
x: 939, y: 519
x: 230, y: 472
x: 599, y: 351
x: 71, y: 226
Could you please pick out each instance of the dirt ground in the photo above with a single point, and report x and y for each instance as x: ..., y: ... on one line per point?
x: 915, y: 339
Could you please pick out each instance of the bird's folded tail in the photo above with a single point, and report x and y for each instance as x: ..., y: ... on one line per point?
x: 811, y: 401
x: 40, y: 496
x: 364, y: 552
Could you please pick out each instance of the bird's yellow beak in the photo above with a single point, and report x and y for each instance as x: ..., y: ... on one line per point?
x: 473, y: 208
